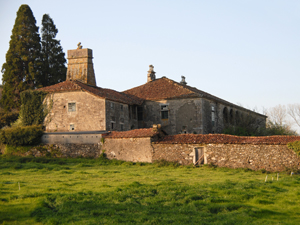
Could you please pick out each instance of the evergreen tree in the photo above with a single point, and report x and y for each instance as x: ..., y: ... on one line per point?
x: 53, y: 57
x: 23, y: 63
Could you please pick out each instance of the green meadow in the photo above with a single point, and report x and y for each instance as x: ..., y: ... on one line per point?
x: 98, y: 191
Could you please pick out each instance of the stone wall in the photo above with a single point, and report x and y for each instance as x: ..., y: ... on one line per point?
x: 79, y: 150
x: 80, y: 66
x: 62, y: 151
x: 185, y: 115
x: 129, y: 149
x: 72, y: 138
x: 227, y: 115
x: 89, y: 112
x: 181, y: 153
x: 255, y: 157
x: 118, y: 117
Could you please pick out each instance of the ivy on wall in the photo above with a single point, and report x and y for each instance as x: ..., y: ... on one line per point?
x: 33, y: 109
x: 295, y: 146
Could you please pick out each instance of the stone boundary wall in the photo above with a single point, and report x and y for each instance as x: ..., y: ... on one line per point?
x: 181, y: 153
x: 145, y: 145
x: 255, y: 157
x: 79, y: 150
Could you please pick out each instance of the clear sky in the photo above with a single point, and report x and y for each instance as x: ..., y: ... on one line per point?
x: 244, y: 51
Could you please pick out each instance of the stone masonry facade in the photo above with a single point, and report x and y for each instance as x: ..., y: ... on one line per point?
x: 68, y: 108
x: 80, y: 66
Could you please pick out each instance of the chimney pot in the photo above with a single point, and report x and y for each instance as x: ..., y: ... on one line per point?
x: 183, y: 80
x: 151, y: 74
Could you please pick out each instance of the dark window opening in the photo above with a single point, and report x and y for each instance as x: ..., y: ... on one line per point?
x: 225, y: 115
x: 134, y: 112
x: 140, y: 113
x: 213, y: 116
x: 164, y: 114
x: 129, y: 110
x: 164, y: 111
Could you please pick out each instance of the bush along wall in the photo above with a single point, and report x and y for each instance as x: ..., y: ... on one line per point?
x: 295, y: 146
x: 28, y: 129
x: 29, y: 135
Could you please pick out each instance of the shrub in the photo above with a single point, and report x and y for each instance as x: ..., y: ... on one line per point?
x: 6, y: 118
x: 28, y: 135
x: 295, y: 146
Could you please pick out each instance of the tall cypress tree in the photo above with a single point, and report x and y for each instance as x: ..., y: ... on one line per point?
x: 23, y: 63
x: 53, y: 57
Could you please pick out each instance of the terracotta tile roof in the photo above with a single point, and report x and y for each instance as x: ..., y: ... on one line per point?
x: 165, y: 88
x: 226, y: 139
x: 99, y: 92
x: 162, y: 88
x: 137, y: 133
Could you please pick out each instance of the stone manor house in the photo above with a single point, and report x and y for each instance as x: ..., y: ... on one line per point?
x: 77, y: 104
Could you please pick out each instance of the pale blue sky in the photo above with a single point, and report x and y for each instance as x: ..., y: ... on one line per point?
x: 244, y: 51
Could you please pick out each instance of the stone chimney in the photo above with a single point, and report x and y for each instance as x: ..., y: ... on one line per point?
x: 80, y: 65
x: 151, y: 74
x: 183, y: 80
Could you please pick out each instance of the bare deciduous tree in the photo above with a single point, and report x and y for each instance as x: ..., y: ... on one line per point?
x: 294, y: 112
x: 277, y: 115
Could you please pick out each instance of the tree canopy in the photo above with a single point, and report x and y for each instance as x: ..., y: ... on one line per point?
x: 23, y: 64
x: 53, y: 57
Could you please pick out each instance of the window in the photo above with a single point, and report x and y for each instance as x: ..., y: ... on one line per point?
x: 112, y: 122
x: 129, y: 111
x: 140, y: 113
x: 122, y: 127
x: 134, y: 111
x: 164, y: 111
x: 121, y: 107
x: 112, y: 105
x: 213, y: 115
x: 72, y: 107
x: 72, y: 127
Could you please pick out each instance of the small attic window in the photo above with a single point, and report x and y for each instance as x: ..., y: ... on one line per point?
x: 72, y: 107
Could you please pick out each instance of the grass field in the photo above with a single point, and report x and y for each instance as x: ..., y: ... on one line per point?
x: 97, y: 191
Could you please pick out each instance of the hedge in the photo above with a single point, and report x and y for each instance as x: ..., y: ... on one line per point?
x: 28, y: 135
